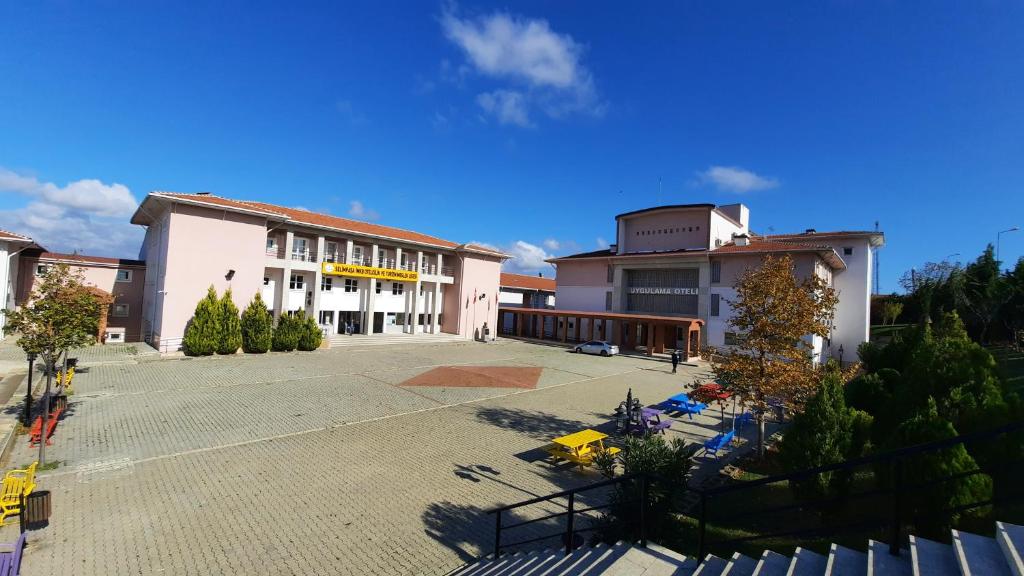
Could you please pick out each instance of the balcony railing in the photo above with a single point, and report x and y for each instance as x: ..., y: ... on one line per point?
x: 275, y: 251
x: 303, y: 256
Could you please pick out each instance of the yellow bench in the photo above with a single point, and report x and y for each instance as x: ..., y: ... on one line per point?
x: 65, y: 378
x: 580, y: 447
x: 17, y: 484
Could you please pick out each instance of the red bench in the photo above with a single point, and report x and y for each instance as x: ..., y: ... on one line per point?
x: 36, y: 431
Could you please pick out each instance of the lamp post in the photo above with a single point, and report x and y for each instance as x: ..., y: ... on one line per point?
x: 27, y: 416
x: 999, y: 238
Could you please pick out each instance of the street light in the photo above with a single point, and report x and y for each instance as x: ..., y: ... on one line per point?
x: 999, y: 238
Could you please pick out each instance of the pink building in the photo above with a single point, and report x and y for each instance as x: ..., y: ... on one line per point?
x: 349, y: 275
x: 122, y: 279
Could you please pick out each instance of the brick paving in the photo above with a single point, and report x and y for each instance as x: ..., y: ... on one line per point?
x: 315, y: 463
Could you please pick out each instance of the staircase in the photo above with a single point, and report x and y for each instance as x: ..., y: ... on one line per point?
x: 393, y: 339
x: 968, y: 555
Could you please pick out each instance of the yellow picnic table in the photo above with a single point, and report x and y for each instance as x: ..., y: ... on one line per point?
x: 580, y: 447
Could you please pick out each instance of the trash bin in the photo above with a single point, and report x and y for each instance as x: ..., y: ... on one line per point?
x: 35, y: 512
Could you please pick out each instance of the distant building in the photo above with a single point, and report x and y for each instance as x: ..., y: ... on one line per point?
x: 525, y: 291
x: 11, y: 245
x: 122, y: 279
x: 345, y: 273
x: 675, y: 266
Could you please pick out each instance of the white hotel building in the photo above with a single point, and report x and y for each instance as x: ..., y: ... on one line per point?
x: 673, y: 268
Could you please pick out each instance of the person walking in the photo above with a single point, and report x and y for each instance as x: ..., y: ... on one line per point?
x: 675, y: 360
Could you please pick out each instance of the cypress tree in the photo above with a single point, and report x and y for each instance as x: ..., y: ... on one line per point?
x: 230, y: 326
x: 310, y: 335
x: 257, y: 327
x: 286, y: 336
x: 203, y: 332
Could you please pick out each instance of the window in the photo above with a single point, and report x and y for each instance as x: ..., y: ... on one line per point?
x: 326, y: 283
x: 608, y: 300
x: 377, y: 283
x: 716, y: 272
x: 120, y: 310
x: 332, y: 252
x: 397, y: 288
x: 847, y: 250
x: 357, y: 255
x: 271, y: 243
x: 351, y: 285
x: 124, y: 276
x: 299, y: 245
x: 297, y: 282
x: 715, y: 304
x: 733, y: 339
x: 41, y: 269
x: 611, y: 274
x: 266, y: 281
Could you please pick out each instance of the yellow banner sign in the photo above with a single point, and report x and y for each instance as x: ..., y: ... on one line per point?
x: 335, y: 269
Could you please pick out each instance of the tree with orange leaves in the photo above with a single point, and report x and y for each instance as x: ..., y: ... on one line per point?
x: 775, y: 314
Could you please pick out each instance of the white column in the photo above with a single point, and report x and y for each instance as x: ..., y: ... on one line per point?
x: 435, y: 309
x: 283, y: 294
x: 398, y: 257
x: 348, y: 251
x: 321, y: 243
x: 412, y: 320
x: 371, y: 296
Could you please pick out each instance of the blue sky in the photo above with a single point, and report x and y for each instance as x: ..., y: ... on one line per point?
x: 526, y: 126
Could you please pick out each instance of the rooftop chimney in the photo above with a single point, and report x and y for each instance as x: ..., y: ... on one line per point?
x: 540, y: 274
x: 810, y: 231
x: 741, y: 239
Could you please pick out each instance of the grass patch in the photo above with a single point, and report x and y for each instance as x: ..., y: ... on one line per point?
x: 51, y: 465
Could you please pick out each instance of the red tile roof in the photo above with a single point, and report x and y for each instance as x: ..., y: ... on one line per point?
x: 528, y: 282
x: 5, y: 235
x: 300, y: 216
x: 85, y: 259
x: 757, y: 246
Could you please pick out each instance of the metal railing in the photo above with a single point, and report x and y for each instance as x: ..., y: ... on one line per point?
x: 885, y: 508
x: 303, y: 255
x: 570, y: 513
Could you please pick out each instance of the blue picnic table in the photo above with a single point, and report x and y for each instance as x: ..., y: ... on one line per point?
x: 682, y: 403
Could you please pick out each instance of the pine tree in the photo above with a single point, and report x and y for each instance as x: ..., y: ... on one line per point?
x: 203, y: 332
x: 230, y: 326
x: 310, y: 335
x: 257, y: 327
x: 286, y: 334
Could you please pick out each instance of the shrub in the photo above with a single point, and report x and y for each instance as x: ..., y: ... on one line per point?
x: 257, y: 327
x: 310, y: 335
x: 928, y: 504
x: 230, y: 326
x: 820, y: 435
x: 286, y: 334
x: 203, y: 332
x: 669, y: 461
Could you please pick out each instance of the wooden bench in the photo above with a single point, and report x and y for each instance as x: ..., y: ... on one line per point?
x: 35, y: 433
x: 10, y: 560
x: 718, y: 442
x: 580, y: 447
x: 17, y: 485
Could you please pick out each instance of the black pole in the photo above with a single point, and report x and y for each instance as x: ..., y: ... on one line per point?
x: 497, y: 535
x: 569, y: 524
x: 701, y: 544
x: 27, y: 416
x: 897, y: 496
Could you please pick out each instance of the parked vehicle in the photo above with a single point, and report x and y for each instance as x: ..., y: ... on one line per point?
x: 597, y: 347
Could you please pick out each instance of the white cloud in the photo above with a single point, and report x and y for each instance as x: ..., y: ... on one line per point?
x: 736, y: 179
x: 86, y: 216
x: 552, y: 244
x: 527, y: 258
x: 528, y: 53
x: 357, y: 210
x: 507, y: 106
x: 601, y: 242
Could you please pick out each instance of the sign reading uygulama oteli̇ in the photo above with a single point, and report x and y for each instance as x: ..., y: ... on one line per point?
x: 663, y: 291
x: 335, y: 269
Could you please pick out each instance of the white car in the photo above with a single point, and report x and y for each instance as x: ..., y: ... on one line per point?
x: 597, y: 347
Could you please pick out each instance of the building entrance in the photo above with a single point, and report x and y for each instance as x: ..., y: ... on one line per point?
x: 378, y: 322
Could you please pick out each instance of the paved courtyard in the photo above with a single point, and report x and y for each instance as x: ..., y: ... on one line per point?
x: 317, y: 463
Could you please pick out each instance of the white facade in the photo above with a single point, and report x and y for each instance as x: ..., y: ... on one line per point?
x: 10, y: 246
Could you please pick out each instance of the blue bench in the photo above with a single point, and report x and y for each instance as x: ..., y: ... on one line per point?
x: 742, y: 419
x: 10, y: 560
x: 720, y: 441
x: 682, y: 403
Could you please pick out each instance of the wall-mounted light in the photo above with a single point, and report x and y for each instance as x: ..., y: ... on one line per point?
x: 482, y: 296
x: 229, y: 275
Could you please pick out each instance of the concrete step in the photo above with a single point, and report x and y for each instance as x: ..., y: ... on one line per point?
x: 771, y: 564
x: 740, y: 565
x: 806, y: 563
x: 712, y: 566
x: 1011, y: 541
x: 930, y: 558
x: 882, y: 563
x: 978, y: 555
x: 843, y: 561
